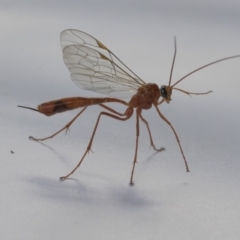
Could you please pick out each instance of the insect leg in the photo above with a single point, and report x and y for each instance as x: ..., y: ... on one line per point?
x: 128, y: 113
x: 150, y: 135
x: 111, y: 110
x: 138, y: 112
x: 66, y: 127
x: 179, y: 144
x: 161, y: 101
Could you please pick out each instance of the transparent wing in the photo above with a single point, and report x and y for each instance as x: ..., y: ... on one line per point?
x: 94, y: 67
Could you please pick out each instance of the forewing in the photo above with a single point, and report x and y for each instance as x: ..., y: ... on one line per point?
x: 94, y: 67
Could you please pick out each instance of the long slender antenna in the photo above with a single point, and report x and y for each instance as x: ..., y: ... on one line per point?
x: 220, y: 60
x: 174, y: 57
x: 28, y: 108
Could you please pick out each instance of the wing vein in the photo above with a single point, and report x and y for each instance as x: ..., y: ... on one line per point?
x: 94, y: 67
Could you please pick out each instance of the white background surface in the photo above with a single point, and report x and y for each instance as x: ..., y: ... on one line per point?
x: 97, y: 203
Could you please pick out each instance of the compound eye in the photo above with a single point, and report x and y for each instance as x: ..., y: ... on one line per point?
x: 163, y: 91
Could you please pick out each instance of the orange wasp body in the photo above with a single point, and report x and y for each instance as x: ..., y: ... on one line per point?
x: 94, y: 67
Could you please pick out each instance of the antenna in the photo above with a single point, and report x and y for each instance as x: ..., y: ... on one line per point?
x: 174, y: 57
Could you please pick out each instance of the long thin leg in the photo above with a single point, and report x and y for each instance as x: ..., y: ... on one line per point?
x: 111, y: 110
x: 160, y: 114
x: 138, y: 112
x: 150, y: 135
x: 128, y: 114
x: 71, y: 122
x: 66, y: 127
x: 161, y: 101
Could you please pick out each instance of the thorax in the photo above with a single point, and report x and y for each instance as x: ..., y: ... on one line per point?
x: 145, y: 96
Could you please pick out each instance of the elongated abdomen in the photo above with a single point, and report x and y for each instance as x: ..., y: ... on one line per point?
x: 65, y: 104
